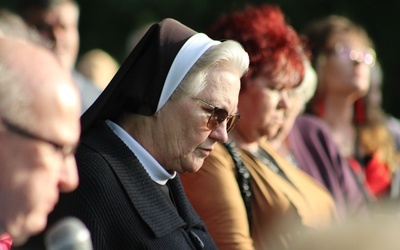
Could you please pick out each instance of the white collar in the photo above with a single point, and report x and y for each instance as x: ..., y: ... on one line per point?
x: 157, y: 173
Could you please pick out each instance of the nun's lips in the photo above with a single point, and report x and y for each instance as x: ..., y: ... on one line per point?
x: 206, y: 151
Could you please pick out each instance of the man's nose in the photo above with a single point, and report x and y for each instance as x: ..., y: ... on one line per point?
x: 69, y: 178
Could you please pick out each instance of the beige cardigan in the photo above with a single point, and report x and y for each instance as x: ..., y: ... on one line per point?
x: 280, y: 210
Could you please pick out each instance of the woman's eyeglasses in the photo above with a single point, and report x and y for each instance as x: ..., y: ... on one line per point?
x: 218, y: 116
x: 366, y: 56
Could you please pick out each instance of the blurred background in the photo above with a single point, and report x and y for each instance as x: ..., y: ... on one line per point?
x: 108, y: 24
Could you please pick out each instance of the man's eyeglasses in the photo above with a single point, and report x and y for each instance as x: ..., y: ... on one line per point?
x: 366, y: 56
x: 218, y: 116
x: 63, y: 149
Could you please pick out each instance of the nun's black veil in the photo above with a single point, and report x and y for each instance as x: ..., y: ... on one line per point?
x: 138, y: 84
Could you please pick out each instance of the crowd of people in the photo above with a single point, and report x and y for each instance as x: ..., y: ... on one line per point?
x: 247, y: 135
x: 281, y: 193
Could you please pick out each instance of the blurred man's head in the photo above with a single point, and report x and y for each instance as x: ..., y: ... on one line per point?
x: 57, y: 22
x: 39, y: 129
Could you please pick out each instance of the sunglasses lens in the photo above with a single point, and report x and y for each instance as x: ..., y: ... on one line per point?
x: 232, y: 122
x: 217, y: 117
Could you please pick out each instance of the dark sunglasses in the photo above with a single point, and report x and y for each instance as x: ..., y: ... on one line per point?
x: 63, y: 149
x: 218, y: 116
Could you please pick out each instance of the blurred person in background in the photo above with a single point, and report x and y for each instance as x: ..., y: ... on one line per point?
x: 98, y: 66
x: 57, y: 22
x: 248, y: 195
x: 135, y: 36
x: 39, y: 130
x: 305, y: 141
x: 342, y: 55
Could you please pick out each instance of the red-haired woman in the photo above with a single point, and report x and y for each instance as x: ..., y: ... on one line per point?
x: 246, y: 192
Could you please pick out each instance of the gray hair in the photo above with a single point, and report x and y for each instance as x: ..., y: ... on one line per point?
x: 12, y: 25
x: 306, y: 90
x: 15, y: 99
x: 226, y: 54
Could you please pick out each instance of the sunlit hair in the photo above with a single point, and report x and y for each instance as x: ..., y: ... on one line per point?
x: 306, y: 89
x: 272, y: 44
x: 227, y: 55
x: 374, y: 133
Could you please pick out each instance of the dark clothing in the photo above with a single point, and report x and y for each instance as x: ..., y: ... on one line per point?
x: 316, y: 153
x: 121, y: 205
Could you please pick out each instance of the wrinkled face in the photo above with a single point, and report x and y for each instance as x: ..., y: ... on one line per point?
x: 37, y: 163
x: 346, y: 67
x: 262, y: 106
x: 59, y: 26
x: 187, y: 138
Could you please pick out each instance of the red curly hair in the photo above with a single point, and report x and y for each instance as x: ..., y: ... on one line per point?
x: 273, y: 45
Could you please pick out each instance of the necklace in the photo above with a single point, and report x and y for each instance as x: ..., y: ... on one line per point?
x: 267, y: 159
x: 269, y: 162
x: 243, y: 177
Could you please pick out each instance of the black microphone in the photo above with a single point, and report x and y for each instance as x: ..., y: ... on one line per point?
x: 68, y: 234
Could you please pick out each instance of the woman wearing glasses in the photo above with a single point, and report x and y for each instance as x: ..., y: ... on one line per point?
x: 246, y: 192
x: 173, y: 98
x: 342, y: 55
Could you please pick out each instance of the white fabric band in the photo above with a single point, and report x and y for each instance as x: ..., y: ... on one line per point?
x: 184, y: 60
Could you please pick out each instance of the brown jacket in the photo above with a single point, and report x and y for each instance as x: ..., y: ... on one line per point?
x: 280, y: 210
